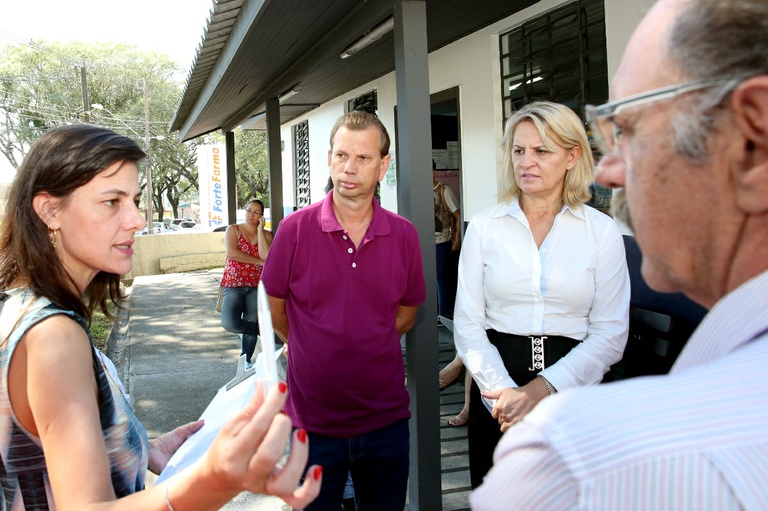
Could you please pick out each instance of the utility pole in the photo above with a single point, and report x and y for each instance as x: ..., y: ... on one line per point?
x: 84, y: 86
x: 150, y: 225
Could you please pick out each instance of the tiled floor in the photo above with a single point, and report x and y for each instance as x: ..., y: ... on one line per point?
x: 453, y: 441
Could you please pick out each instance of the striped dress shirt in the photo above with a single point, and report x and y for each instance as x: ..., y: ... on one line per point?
x: 696, y: 439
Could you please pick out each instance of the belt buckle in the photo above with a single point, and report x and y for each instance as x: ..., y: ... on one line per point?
x: 537, y: 352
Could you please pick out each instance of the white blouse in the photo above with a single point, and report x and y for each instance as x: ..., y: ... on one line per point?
x: 690, y: 440
x: 576, y: 285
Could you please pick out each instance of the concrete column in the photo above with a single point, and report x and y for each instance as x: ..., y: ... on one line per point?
x: 229, y: 141
x: 414, y: 190
x: 274, y: 147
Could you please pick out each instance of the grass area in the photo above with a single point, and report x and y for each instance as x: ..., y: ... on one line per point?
x: 101, y: 326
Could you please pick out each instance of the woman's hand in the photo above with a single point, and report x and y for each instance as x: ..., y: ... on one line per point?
x: 248, y: 449
x: 260, y: 224
x: 512, y: 404
x: 163, y: 447
x: 456, y: 243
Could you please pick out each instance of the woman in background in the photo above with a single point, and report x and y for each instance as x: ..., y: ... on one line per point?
x: 70, y: 439
x: 543, y: 292
x: 247, y: 247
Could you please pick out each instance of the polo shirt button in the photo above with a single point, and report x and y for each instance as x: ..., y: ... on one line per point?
x: 349, y: 250
x: 344, y: 237
x: 354, y: 265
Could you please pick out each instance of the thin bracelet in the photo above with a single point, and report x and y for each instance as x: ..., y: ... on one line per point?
x: 550, y: 388
x: 167, y: 500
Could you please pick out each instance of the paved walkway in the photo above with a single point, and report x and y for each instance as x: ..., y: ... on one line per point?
x: 173, y: 356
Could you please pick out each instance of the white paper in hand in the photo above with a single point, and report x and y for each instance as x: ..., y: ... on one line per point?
x: 267, y: 335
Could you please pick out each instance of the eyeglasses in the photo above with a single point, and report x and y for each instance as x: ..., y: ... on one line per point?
x: 248, y: 211
x: 607, y: 133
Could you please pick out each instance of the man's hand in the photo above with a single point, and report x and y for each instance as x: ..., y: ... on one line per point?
x: 279, y: 318
x: 405, y: 319
x: 456, y: 244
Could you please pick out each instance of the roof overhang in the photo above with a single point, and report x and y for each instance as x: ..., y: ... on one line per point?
x: 256, y: 50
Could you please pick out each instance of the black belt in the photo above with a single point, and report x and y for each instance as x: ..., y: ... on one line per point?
x: 525, y: 356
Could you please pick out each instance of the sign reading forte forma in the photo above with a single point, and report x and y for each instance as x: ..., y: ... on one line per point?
x: 213, y: 184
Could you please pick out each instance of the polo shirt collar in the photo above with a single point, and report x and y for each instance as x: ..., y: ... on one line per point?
x: 329, y: 223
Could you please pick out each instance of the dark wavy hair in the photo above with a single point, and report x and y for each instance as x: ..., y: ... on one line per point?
x: 58, y: 163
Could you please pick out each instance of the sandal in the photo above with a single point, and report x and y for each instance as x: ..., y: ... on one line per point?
x: 459, y: 420
x: 444, y: 385
x: 449, y: 375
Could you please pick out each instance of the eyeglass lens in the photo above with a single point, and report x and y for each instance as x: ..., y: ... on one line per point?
x: 603, y: 131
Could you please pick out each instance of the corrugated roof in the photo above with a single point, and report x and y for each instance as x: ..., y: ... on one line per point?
x: 255, y: 50
x: 221, y: 18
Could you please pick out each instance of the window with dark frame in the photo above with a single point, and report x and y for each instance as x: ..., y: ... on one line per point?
x: 301, y: 164
x: 559, y: 56
x: 365, y: 103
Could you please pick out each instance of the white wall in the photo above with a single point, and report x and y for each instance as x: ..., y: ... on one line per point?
x: 472, y: 64
x: 150, y: 250
x: 621, y: 18
x: 321, y: 121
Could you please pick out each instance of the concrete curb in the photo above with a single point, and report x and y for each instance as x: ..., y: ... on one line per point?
x: 117, y: 342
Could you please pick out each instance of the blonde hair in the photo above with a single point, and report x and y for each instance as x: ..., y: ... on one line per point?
x: 559, y: 125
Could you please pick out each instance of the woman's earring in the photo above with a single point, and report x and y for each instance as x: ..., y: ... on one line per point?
x: 52, y: 236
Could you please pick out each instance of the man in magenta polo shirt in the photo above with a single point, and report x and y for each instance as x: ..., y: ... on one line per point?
x: 345, y: 280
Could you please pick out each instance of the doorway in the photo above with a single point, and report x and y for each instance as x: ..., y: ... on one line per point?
x: 446, y: 161
x: 446, y: 143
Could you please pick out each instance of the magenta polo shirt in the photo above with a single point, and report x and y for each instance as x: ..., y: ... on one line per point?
x: 345, y: 365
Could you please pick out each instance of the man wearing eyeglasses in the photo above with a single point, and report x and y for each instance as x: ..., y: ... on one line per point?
x: 687, y: 136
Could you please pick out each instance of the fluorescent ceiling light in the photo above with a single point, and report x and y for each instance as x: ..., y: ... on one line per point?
x: 527, y: 82
x: 371, y: 37
x: 289, y: 93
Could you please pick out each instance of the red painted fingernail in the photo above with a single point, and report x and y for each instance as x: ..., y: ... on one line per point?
x: 302, y: 435
x: 282, y: 387
x: 317, y: 472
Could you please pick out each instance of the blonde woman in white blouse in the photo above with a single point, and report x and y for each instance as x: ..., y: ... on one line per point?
x: 543, y: 289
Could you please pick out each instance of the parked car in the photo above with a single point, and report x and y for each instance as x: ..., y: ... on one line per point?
x: 175, y: 224
x: 187, y: 225
x: 157, y: 227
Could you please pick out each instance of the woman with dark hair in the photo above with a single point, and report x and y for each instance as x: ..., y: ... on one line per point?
x: 247, y: 247
x: 70, y: 440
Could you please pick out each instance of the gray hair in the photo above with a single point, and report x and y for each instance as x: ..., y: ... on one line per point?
x: 711, y: 39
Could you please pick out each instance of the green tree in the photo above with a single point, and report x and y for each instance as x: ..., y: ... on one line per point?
x: 251, y: 164
x: 41, y: 87
x: 251, y: 167
x: 175, y: 176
